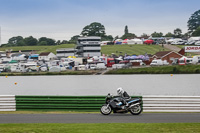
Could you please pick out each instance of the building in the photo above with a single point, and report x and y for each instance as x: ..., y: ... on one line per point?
x: 169, y: 56
x: 88, y: 46
x: 65, y: 52
x: 46, y: 56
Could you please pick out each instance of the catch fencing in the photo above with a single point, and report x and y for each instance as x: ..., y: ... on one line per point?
x: 171, y: 103
x: 7, y: 103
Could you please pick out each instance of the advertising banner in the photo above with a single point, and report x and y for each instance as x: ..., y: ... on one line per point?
x: 192, y: 48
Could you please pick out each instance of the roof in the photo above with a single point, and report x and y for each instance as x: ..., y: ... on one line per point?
x: 164, y: 53
x: 44, y: 54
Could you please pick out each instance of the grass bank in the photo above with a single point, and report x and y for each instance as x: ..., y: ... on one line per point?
x: 136, y: 49
x: 49, y: 73
x: 39, y: 49
x: 101, y: 128
x: 188, y: 69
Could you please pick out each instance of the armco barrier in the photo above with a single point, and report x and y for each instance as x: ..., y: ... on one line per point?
x: 171, y: 103
x: 7, y: 103
x: 69, y: 103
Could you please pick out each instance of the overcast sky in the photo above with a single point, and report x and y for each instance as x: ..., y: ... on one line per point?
x: 62, y: 19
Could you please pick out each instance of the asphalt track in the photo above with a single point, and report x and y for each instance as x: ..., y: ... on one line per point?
x: 98, y: 118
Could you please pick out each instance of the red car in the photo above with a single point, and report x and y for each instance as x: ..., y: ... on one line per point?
x: 148, y: 42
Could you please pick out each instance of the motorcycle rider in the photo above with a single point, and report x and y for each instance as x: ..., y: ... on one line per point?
x: 124, y: 95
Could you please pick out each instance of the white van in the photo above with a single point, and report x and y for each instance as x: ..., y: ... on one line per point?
x: 159, y: 63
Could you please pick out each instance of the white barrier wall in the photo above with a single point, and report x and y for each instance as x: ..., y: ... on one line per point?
x: 150, y: 103
x: 171, y: 103
x: 7, y: 103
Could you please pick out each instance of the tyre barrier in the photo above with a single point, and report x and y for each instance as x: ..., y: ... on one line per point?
x: 65, y: 103
x: 171, y: 103
x: 7, y: 103
x: 93, y: 103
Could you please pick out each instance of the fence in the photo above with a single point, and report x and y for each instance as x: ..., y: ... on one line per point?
x: 171, y: 103
x: 7, y: 103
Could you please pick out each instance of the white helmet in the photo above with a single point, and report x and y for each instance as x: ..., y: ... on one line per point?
x: 120, y: 91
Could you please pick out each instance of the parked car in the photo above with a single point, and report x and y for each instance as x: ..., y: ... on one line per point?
x: 118, y: 66
x: 181, y: 42
x: 197, y: 43
x: 190, y: 43
x: 101, y: 66
x: 92, y: 66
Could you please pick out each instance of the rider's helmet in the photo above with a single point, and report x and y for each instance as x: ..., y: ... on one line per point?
x: 120, y: 91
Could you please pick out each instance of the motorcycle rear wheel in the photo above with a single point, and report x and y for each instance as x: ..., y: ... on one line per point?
x: 136, y: 110
x: 105, y: 110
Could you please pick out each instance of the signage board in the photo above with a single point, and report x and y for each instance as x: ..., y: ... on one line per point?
x: 192, y: 48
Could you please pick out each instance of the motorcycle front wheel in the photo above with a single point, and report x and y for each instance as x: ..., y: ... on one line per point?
x: 105, y: 109
x: 136, y: 110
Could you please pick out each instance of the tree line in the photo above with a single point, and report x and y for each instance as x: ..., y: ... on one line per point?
x: 97, y: 29
x: 31, y: 41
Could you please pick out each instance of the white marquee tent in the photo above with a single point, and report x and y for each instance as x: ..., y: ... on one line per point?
x: 135, y: 41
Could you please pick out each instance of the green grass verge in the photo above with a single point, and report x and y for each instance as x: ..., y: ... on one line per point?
x: 102, y: 128
x: 187, y: 69
x: 49, y: 73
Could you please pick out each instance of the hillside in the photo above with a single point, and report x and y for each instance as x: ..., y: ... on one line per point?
x: 107, y: 50
x: 39, y: 48
x: 138, y: 49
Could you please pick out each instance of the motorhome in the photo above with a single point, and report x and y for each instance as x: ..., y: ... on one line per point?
x: 188, y: 60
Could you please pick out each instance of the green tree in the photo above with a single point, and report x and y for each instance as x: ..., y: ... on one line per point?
x: 126, y: 30
x: 144, y: 35
x: 21, y: 43
x: 196, y: 32
x: 94, y: 29
x: 178, y: 33
x: 15, y: 40
x: 129, y: 35
x: 156, y: 34
x: 42, y: 43
x: 107, y: 38
x: 48, y: 41
x: 30, y: 41
x: 64, y: 42
x: 117, y: 37
x: 169, y: 34
x: 74, y: 39
x: 58, y: 42
x: 186, y: 36
x: 194, y: 21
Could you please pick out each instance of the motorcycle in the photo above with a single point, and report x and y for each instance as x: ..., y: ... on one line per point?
x: 115, y: 104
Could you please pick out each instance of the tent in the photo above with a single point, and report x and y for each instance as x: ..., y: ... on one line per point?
x: 71, y: 57
x: 118, y: 41
x: 125, y: 41
x: 135, y: 41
